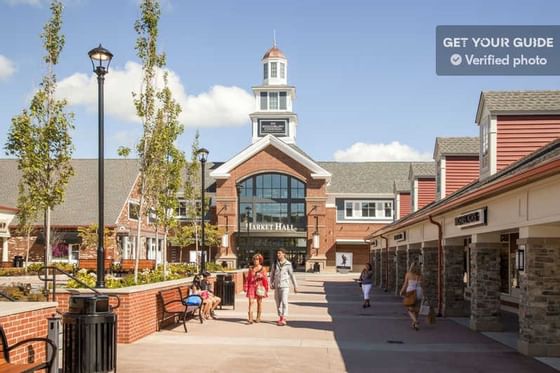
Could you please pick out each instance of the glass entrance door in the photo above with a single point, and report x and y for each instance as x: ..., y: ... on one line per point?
x: 296, y: 250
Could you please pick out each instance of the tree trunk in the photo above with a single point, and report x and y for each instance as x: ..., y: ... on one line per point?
x: 27, y: 248
x: 157, y: 245
x: 196, y: 246
x: 138, y: 231
x: 48, y: 248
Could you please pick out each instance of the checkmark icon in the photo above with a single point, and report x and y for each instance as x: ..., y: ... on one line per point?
x: 456, y: 59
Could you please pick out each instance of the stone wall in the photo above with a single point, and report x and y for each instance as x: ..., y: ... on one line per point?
x: 392, y: 272
x: 485, y: 286
x: 401, y: 268
x: 429, y: 273
x: 539, y: 308
x: 453, y: 285
x: 377, y: 267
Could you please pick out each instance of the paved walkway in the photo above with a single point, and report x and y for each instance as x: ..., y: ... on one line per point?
x: 328, y: 331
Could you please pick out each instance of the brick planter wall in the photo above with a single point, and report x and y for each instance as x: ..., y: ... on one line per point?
x: 140, y: 308
x: 24, y: 320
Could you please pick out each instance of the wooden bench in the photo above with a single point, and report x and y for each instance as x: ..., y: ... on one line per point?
x: 91, y: 264
x: 173, y: 306
x: 6, y: 366
x: 127, y: 265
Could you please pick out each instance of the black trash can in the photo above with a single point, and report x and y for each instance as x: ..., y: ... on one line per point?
x: 225, y: 289
x: 18, y: 261
x: 89, y: 335
x: 316, y: 267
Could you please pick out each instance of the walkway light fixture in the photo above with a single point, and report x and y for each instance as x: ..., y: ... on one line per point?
x: 316, y: 239
x: 100, y: 61
x: 202, y: 157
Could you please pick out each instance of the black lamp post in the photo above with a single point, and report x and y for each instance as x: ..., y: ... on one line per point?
x: 202, y: 157
x: 100, y: 60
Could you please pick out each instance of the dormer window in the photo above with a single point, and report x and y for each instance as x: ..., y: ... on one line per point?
x: 265, y: 71
x: 274, y: 69
x: 282, y: 70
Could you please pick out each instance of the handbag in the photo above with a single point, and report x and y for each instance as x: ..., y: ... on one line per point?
x: 261, y: 291
x: 409, y: 298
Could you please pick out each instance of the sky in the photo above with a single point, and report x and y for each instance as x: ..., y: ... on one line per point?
x: 364, y: 70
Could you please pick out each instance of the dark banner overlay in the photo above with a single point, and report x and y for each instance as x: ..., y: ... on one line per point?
x: 498, y: 50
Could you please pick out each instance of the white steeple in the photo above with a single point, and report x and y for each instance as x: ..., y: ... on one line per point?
x: 274, y: 99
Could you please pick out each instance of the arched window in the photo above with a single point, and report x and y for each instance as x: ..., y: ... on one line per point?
x: 273, y: 198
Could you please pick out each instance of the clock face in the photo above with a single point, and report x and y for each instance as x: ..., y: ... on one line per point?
x: 275, y: 127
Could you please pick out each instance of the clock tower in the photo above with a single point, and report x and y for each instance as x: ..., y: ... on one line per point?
x: 274, y: 99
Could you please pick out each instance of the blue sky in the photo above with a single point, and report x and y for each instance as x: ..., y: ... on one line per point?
x: 364, y: 70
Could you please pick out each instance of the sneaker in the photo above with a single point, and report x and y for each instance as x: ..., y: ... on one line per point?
x: 213, y: 315
x: 280, y: 321
x: 284, y: 321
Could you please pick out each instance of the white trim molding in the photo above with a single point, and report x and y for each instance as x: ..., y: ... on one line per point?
x: 317, y: 172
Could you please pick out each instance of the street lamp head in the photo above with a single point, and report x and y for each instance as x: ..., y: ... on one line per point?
x: 202, y: 154
x: 100, y: 60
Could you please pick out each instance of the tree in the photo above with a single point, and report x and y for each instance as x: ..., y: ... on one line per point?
x: 187, y: 235
x: 88, y: 235
x: 26, y: 215
x: 40, y: 139
x: 164, y: 180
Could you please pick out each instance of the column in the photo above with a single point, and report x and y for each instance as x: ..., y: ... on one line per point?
x: 125, y: 247
x: 539, y: 307
x: 413, y: 253
x: 453, y: 285
x: 377, y: 267
x: 5, y: 256
x: 401, y: 268
x: 391, y: 283
x: 429, y: 263
x: 485, y: 285
x: 383, y: 267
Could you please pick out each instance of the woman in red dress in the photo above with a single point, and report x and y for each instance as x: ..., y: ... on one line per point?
x: 256, y: 287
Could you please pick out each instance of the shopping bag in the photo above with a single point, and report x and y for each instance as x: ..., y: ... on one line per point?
x: 424, y: 308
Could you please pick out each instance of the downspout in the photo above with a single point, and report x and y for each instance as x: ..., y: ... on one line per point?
x: 386, y: 261
x: 440, y: 264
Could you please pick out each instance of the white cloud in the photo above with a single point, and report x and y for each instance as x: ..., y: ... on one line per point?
x: 218, y: 107
x: 394, y: 151
x: 25, y: 2
x: 7, y: 67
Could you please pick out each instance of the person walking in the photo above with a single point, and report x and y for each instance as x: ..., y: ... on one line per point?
x: 366, y: 280
x: 412, y: 289
x: 281, y: 275
x: 256, y: 287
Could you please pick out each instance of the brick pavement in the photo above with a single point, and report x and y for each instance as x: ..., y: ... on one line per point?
x: 328, y: 331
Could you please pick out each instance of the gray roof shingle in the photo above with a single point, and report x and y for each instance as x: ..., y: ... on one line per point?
x: 518, y: 101
x: 80, y: 200
x: 402, y: 186
x: 422, y: 169
x: 365, y: 177
x: 456, y: 146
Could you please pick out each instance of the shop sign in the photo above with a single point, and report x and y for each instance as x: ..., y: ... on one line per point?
x: 400, y: 236
x: 275, y: 127
x: 472, y: 218
x: 275, y: 227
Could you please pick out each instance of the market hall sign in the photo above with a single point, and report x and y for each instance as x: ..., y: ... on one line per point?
x: 472, y: 218
x: 275, y: 127
x: 271, y: 227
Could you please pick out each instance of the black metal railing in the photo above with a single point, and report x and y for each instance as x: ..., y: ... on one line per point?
x: 47, y: 277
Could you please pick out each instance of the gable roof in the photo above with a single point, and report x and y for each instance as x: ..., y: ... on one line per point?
x: 402, y: 186
x: 80, y: 199
x: 516, y: 172
x: 456, y: 146
x: 365, y: 177
x: 422, y: 169
x: 518, y: 101
x: 317, y: 172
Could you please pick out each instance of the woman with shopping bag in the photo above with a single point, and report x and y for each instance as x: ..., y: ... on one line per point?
x: 256, y: 287
x: 412, y: 292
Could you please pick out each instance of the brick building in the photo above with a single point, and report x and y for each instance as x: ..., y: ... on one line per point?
x: 492, y: 244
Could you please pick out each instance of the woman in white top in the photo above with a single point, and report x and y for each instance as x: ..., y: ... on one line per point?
x: 412, y: 282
